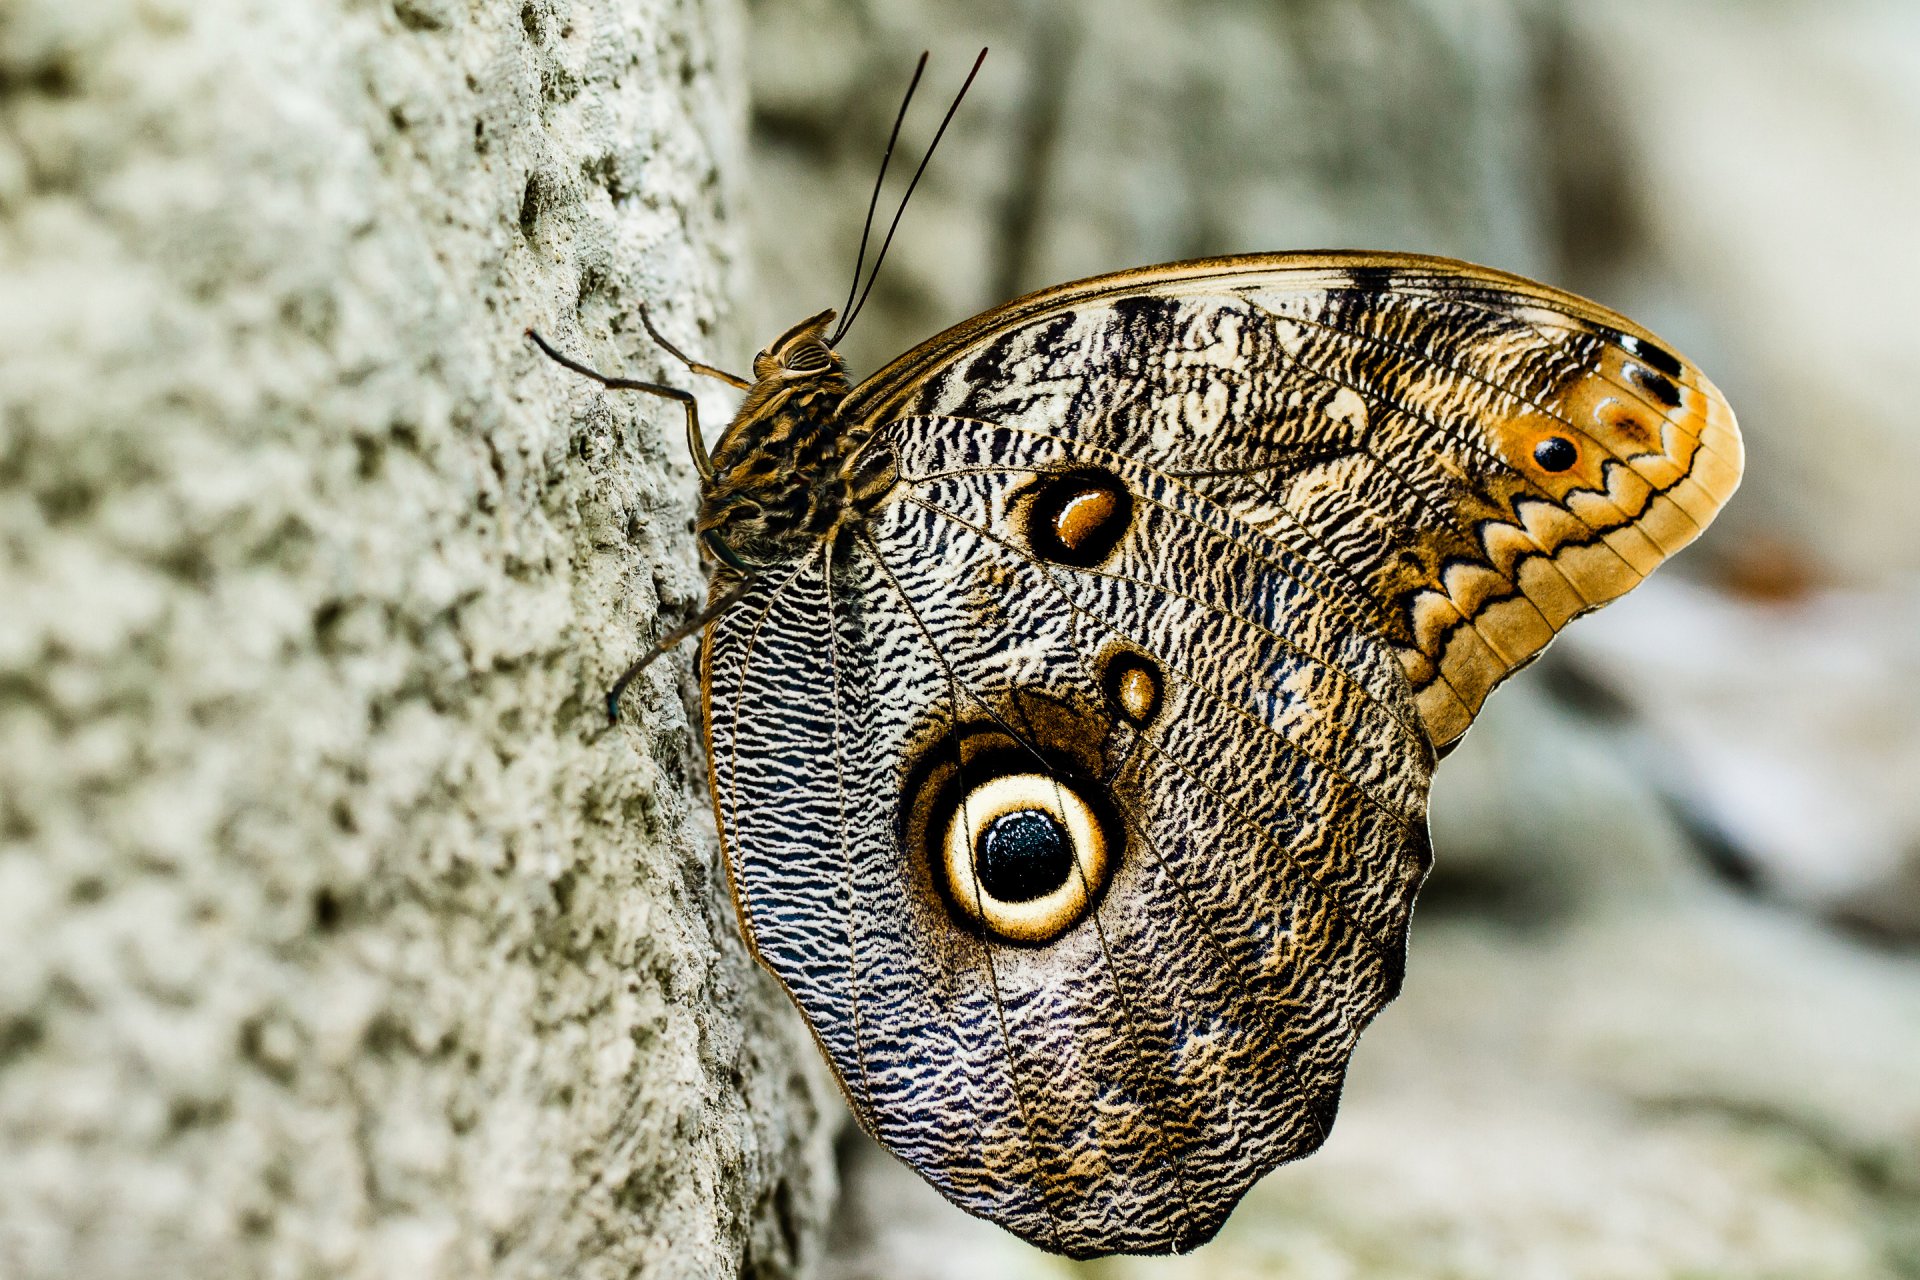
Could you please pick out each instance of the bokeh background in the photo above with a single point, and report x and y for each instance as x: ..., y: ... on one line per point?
x: 1662, y: 1015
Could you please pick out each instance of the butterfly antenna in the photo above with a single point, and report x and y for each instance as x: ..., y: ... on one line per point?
x: 866, y: 228
x: 854, y: 309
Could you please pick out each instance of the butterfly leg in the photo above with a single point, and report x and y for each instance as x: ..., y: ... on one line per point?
x: 671, y: 639
x: 696, y: 444
x: 731, y: 379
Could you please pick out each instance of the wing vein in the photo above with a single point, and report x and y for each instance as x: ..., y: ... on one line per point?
x: 1010, y: 1058
x: 840, y: 814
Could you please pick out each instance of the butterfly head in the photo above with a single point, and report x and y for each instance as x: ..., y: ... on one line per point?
x: 799, y: 355
x: 777, y: 481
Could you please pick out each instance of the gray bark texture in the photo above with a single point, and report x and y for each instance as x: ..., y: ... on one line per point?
x: 336, y: 938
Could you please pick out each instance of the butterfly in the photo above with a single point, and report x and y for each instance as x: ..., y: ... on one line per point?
x: 1073, y: 685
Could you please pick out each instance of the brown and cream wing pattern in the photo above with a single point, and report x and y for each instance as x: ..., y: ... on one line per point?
x: 1481, y: 458
x: 1110, y: 1065
x: 1077, y: 793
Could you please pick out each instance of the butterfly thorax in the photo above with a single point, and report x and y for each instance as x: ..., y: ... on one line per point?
x: 787, y: 472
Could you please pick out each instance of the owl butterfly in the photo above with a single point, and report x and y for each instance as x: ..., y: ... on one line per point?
x: 1073, y: 684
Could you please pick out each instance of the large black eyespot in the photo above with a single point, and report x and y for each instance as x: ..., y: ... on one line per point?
x: 1018, y: 837
x: 1022, y: 855
x: 1555, y: 453
x: 1079, y: 517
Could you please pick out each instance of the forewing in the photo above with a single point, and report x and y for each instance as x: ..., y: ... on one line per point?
x: 1383, y: 417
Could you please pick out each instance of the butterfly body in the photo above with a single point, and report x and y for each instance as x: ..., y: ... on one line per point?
x: 776, y: 478
x: 1071, y: 722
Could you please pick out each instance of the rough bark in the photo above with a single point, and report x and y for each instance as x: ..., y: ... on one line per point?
x: 335, y: 936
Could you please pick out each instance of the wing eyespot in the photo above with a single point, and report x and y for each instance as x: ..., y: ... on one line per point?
x: 1078, y: 518
x: 1017, y: 837
x: 1555, y: 454
x: 1022, y: 856
x: 1132, y: 685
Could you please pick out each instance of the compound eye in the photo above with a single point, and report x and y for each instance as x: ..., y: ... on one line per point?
x: 807, y: 358
x: 1023, y: 856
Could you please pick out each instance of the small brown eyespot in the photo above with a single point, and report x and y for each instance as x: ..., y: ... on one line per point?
x: 1627, y: 423
x: 1078, y: 518
x: 1132, y: 686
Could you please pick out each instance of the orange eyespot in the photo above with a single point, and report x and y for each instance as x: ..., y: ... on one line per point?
x: 1079, y: 517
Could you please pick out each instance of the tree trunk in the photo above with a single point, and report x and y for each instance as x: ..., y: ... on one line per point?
x: 336, y: 937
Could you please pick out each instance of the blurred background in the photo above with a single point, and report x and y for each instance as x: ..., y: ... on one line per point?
x: 1662, y: 1015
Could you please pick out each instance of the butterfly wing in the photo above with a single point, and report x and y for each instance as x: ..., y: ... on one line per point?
x: 1078, y: 796
x: 1385, y: 415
